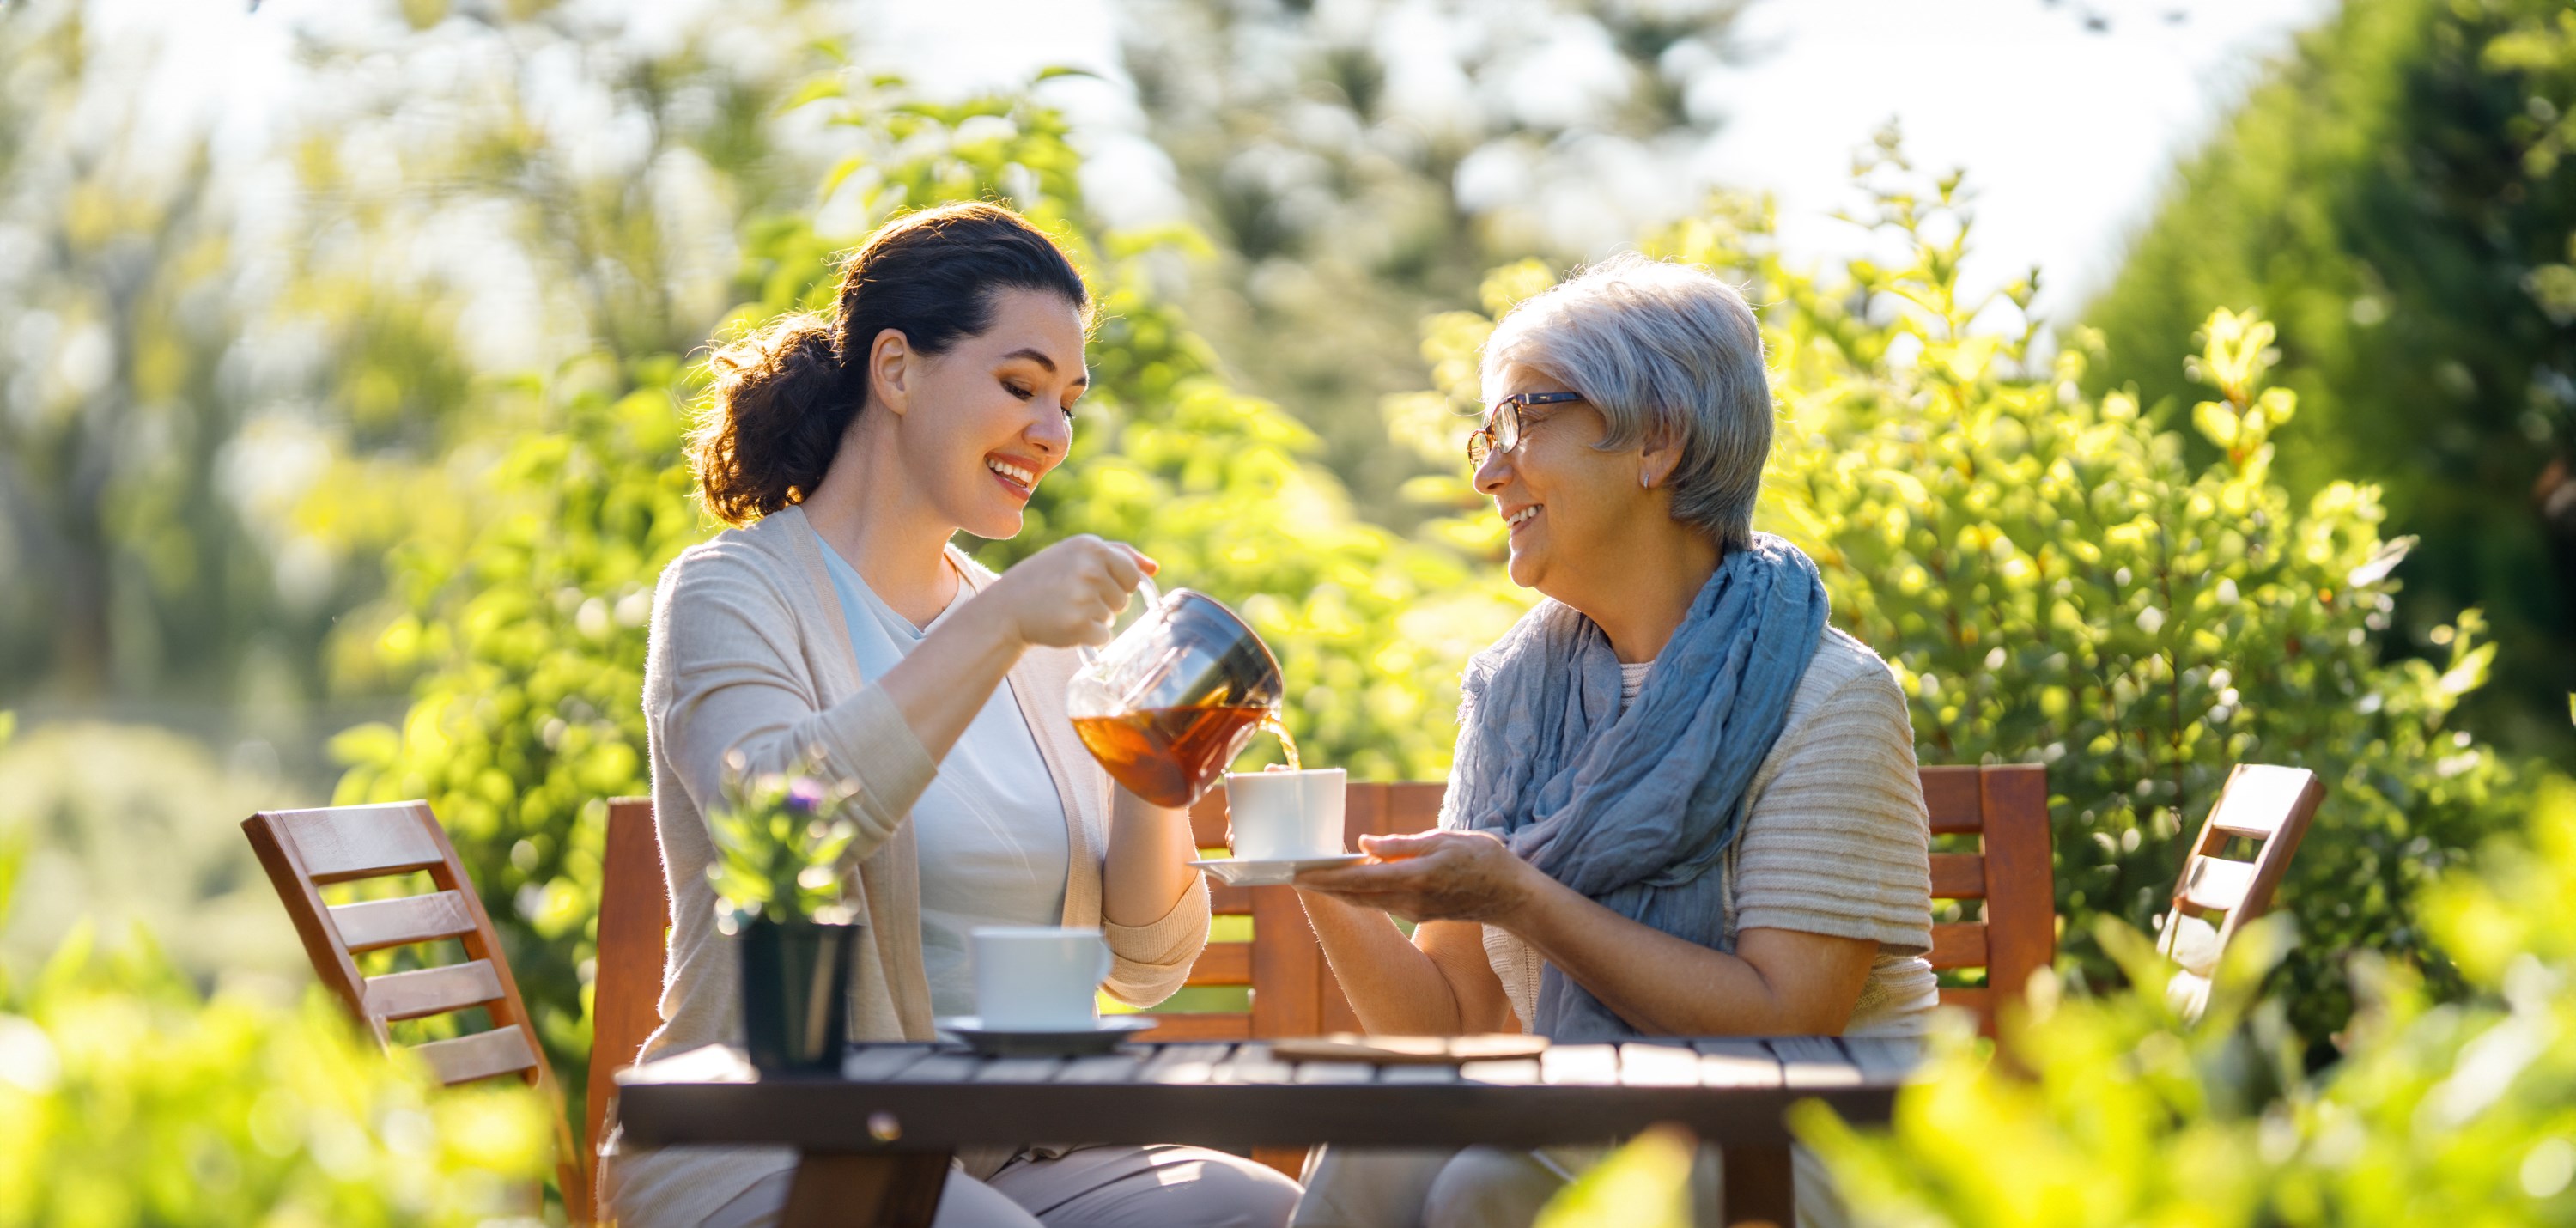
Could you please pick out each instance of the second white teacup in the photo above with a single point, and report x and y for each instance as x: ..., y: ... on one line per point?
x: 1286, y: 816
x: 1038, y: 978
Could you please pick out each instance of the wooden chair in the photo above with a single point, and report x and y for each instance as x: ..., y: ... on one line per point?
x: 2269, y: 806
x: 306, y: 850
x: 634, y: 948
x: 2006, y: 807
x: 1293, y: 992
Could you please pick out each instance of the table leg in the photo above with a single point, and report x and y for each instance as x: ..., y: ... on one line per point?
x: 1761, y: 1188
x: 845, y: 1190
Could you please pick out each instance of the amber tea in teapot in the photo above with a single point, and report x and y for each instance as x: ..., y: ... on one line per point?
x: 1167, y: 755
x: 1169, y: 703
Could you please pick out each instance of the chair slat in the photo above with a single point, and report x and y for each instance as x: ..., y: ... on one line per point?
x: 2259, y: 798
x: 1223, y: 963
x: 1958, y: 876
x: 1975, y: 999
x: 2215, y: 883
x: 1193, y: 1026
x: 1207, y: 819
x: 500, y: 1051
x: 1413, y: 805
x: 432, y: 991
x: 1959, y: 944
x: 634, y: 943
x: 2021, y: 895
x: 1226, y: 900
x: 372, y: 925
x: 1953, y: 797
x: 1287, y: 969
x: 349, y: 842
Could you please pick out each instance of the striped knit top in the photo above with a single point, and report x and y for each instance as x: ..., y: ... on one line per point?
x: 1837, y: 841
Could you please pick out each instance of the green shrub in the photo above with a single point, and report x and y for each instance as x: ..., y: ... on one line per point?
x: 127, y: 1100
x: 2055, y: 581
x: 2397, y: 192
x: 2457, y: 1114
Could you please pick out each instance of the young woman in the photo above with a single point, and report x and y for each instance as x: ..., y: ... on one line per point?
x: 836, y: 618
x: 1682, y: 803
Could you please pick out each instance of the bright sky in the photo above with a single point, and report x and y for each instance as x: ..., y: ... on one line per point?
x: 2068, y: 132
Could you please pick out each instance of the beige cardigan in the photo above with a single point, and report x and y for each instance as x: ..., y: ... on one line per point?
x: 749, y: 651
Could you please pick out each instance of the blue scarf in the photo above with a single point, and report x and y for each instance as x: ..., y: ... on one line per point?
x: 1634, y: 808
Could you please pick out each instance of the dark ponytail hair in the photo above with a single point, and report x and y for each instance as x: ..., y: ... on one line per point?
x: 785, y: 395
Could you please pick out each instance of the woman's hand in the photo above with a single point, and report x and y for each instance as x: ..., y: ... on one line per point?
x: 1434, y: 876
x: 1069, y: 593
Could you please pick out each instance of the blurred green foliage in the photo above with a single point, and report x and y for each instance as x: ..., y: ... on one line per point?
x: 2122, y: 1112
x: 1645, y: 1183
x: 2399, y: 195
x: 125, y: 1099
x: 2057, y: 580
x: 134, y: 828
x: 126, y: 569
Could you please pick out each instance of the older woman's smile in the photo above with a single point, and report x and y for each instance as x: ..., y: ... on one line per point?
x: 1520, y: 516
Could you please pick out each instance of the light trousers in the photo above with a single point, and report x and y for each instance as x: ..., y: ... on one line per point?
x: 1157, y: 1186
x: 1499, y: 1187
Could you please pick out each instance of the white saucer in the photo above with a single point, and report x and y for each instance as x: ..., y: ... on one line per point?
x: 1101, y: 1036
x: 1237, y: 872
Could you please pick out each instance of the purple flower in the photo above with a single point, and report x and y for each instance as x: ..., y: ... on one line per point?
x: 806, y: 795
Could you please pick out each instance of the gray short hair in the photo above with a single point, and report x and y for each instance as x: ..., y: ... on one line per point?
x: 1659, y: 348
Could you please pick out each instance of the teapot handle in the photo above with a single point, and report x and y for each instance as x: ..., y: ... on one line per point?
x: 1153, y: 597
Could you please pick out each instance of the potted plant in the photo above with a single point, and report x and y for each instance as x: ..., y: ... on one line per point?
x: 779, y: 840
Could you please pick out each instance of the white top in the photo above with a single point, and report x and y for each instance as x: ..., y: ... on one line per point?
x: 1632, y: 680
x: 1837, y: 841
x: 990, y: 826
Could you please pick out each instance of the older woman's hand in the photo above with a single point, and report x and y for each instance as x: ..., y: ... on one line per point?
x: 1434, y: 876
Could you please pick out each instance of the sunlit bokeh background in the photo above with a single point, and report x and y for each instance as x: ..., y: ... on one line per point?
x: 345, y: 347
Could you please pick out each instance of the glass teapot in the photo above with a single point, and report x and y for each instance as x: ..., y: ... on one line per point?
x: 1170, y: 702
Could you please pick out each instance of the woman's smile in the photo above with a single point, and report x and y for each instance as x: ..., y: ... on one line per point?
x: 1017, y: 475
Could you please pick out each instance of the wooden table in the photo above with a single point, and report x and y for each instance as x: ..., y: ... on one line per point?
x: 876, y: 1141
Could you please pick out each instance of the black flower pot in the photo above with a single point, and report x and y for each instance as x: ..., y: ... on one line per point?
x: 795, y: 986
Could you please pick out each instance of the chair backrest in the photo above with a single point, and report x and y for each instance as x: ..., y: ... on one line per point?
x: 2006, y: 807
x: 634, y: 947
x: 307, y: 850
x: 1294, y: 993
x: 2266, y: 805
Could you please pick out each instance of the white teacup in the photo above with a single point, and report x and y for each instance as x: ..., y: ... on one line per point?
x: 1038, y: 978
x: 1286, y: 816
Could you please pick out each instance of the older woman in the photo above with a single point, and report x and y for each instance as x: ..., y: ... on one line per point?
x: 1682, y: 803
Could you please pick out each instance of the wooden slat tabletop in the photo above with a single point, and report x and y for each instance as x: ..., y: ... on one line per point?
x: 927, y: 1097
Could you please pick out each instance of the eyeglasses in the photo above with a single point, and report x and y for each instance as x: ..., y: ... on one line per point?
x: 1502, y: 429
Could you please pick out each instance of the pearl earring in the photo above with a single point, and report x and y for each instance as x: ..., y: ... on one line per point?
x: 1645, y: 481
